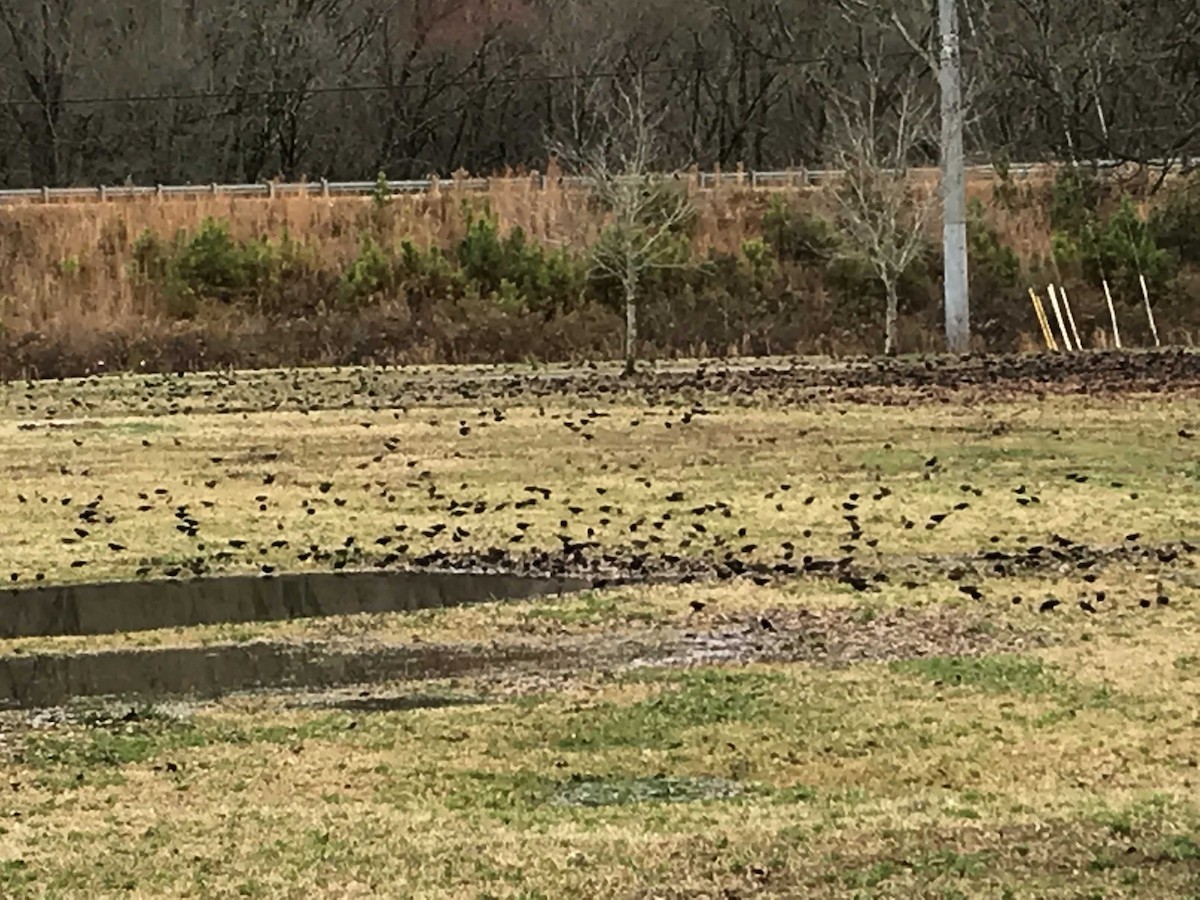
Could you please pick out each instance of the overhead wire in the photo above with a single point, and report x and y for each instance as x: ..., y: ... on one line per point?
x: 379, y: 87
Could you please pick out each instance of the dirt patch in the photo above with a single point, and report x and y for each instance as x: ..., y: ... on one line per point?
x: 840, y: 637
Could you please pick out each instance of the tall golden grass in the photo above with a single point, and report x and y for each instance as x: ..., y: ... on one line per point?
x: 67, y: 264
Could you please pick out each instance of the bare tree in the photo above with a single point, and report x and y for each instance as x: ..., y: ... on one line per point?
x: 272, y: 59
x: 581, y: 42
x: 43, y: 40
x: 241, y: 89
x: 647, y: 210
x: 881, y: 210
x: 1085, y: 80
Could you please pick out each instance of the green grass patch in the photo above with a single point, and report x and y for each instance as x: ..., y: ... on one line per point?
x: 1147, y: 813
x: 952, y: 862
x: 1188, y: 666
x: 1180, y: 848
x: 1004, y: 673
x: 499, y: 792
x: 893, y: 461
x: 14, y: 874
x: 871, y: 876
x: 697, y: 699
x: 99, y: 743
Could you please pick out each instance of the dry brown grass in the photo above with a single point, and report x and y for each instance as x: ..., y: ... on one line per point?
x: 67, y: 264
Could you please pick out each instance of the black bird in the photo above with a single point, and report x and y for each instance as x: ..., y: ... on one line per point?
x: 1049, y: 604
x: 697, y: 605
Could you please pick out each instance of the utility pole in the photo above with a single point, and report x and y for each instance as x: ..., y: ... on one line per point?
x: 954, y: 204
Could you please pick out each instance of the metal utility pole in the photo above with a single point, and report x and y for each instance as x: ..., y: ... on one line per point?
x: 954, y: 203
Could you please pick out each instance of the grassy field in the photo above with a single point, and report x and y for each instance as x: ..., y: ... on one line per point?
x: 920, y: 733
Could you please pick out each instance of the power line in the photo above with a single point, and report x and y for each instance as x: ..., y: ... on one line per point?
x: 545, y: 78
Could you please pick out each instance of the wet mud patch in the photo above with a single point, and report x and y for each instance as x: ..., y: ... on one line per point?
x: 361, y: 700
x: 841, y: 637
x: 592, y: 791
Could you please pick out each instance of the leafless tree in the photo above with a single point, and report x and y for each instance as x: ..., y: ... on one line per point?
x: 647, y: 210
x: 1090, y: 79
x: 882, y: 211
x: 43, y: 40
x: 244, y: 89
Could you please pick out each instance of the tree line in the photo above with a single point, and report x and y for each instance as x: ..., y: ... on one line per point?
x: 177, y: 91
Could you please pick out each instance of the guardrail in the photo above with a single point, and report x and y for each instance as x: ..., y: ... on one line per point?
x: 779, y: 179
x: 776, y: 180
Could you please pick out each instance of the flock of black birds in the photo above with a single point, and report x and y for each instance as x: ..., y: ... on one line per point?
x: 671, y: 537
x: 778, y: 380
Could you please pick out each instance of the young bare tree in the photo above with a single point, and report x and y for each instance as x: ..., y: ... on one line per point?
x: 877, y: 129
x: 42, y: 38
x: 647, y: 210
